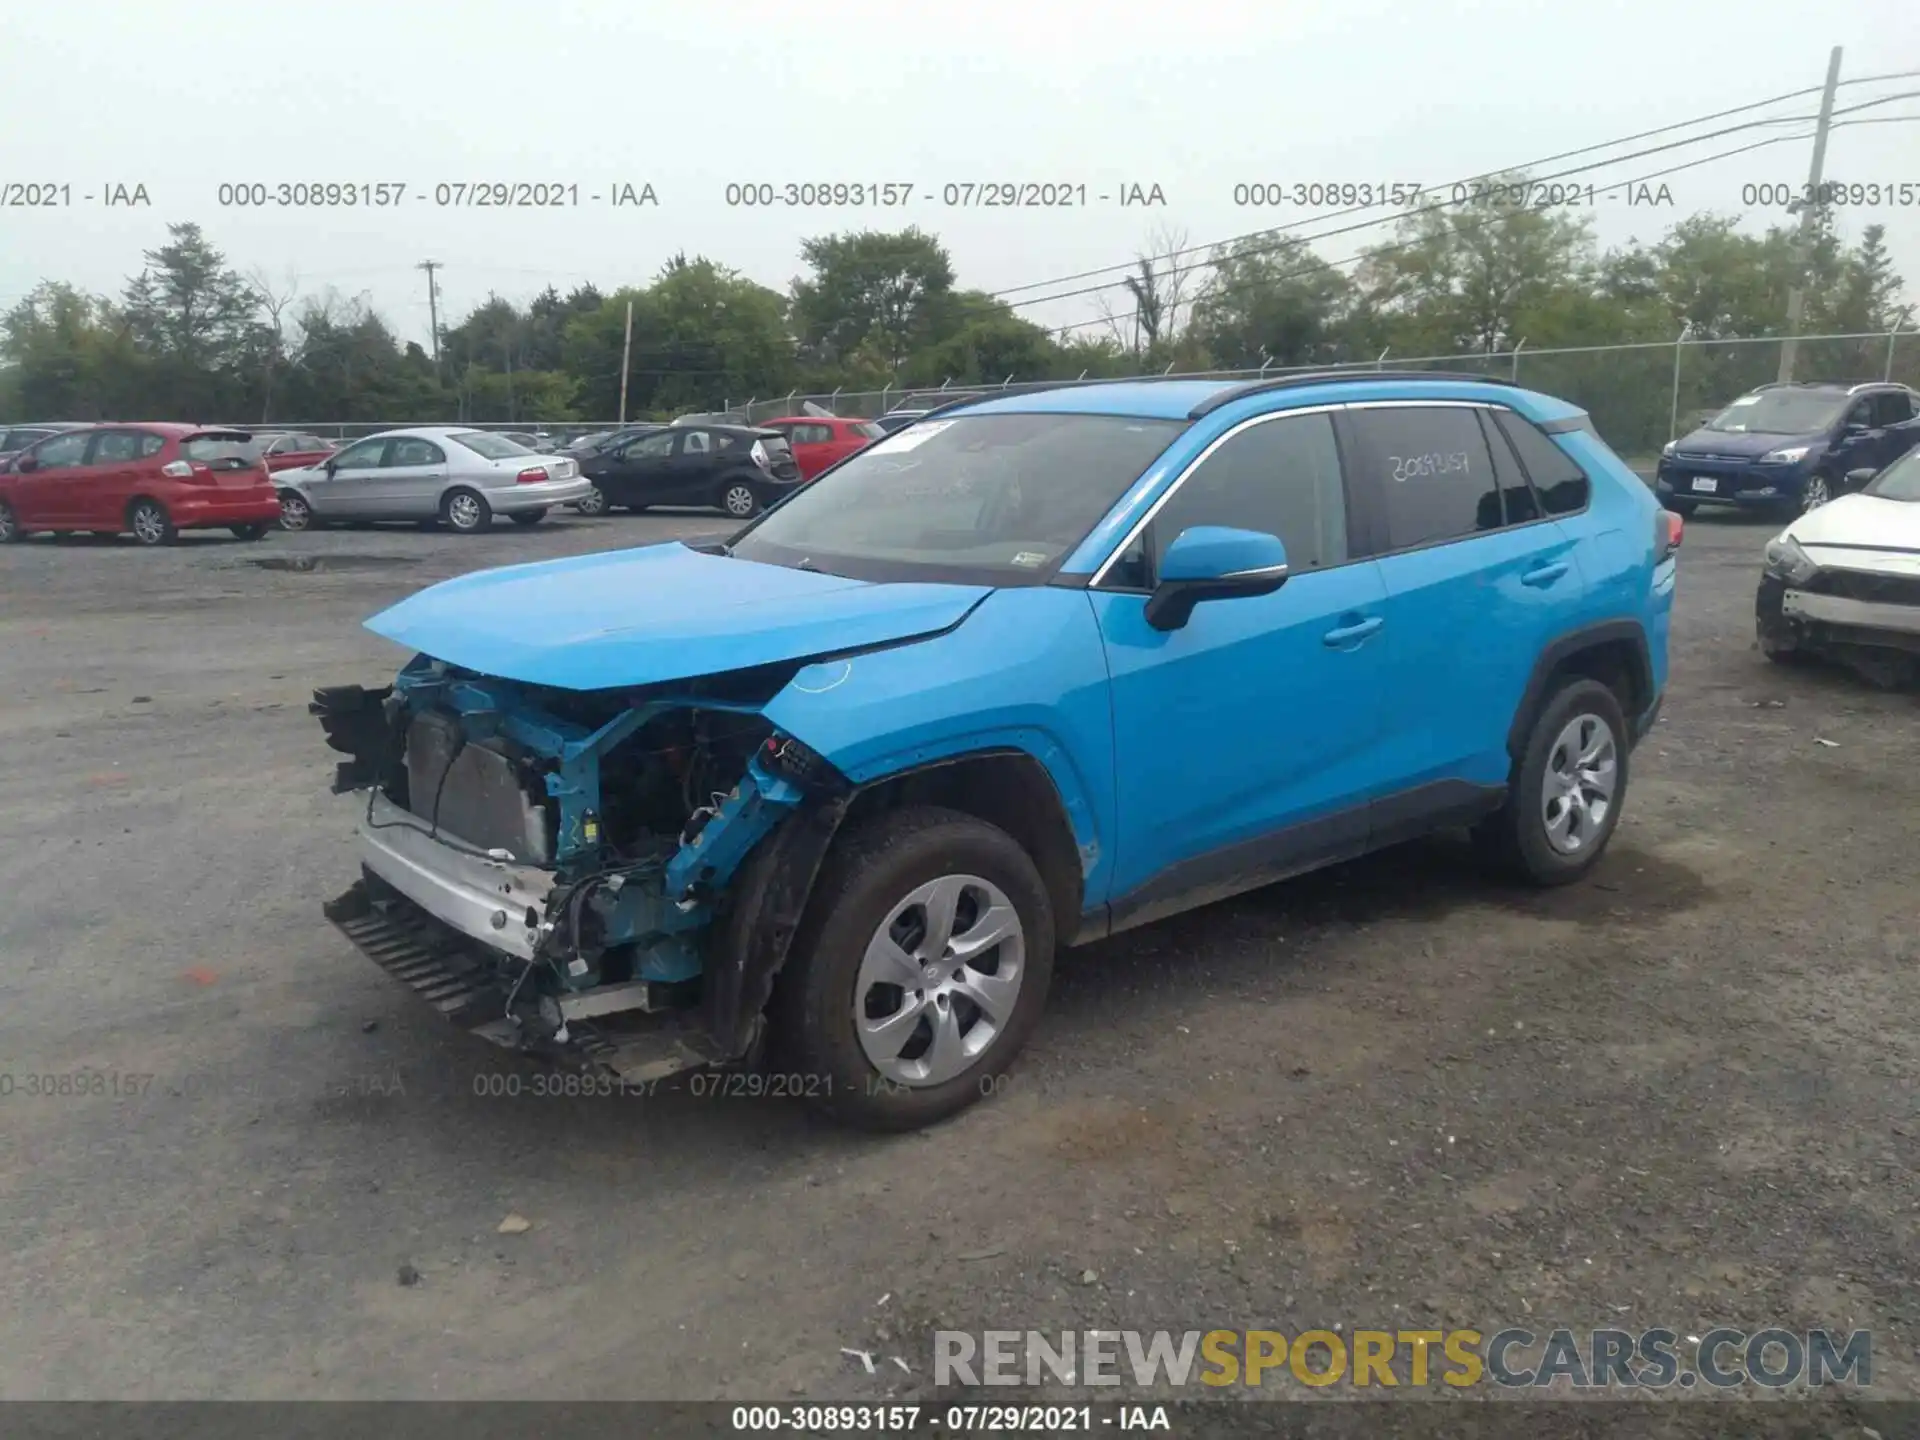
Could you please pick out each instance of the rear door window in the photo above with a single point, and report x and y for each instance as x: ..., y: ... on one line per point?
x: 1427, y: 473
x: 410, y: 450
x: 1892, y: 407
x: 122, y: 447
x: 698, y: 442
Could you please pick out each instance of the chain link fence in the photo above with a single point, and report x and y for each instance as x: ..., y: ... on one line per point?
x: 1640, y: 395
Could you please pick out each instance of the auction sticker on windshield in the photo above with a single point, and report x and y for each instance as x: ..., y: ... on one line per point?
x: 910, y: 438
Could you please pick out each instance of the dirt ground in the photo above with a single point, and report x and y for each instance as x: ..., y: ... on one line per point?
x: 1682, y: 1093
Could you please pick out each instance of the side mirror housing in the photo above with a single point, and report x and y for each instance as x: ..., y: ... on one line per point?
x: 26, y: 465
x: 1856, y: 427
x: 1214, y: 562
x: 1857, y: 478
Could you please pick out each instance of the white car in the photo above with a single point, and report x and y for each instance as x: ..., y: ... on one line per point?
x: 1845, y: 579
x: 460, y: 477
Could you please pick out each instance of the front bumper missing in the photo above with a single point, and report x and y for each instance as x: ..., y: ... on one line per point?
x: 494, y: 901
x: 460, y: 981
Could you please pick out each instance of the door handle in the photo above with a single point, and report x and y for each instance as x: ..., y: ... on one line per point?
x: 1543, y: 575
x: 1353, y: 634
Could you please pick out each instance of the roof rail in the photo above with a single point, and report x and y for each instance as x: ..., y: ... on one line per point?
x: 1321, y: 377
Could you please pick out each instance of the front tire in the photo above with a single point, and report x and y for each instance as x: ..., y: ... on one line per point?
x: 527, y: 519
x: 1563, y: 801
x: 738, y: 499
x: 150, y: 523
x: 295, y: 513
x: 10, y: 531
x: 594, y: 504
x: 920, y: 970
x: 466, y: 512
x: 1815, y: 493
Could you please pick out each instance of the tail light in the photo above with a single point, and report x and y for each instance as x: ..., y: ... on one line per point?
x: 1668, y: 530
x: 184, y: 469
x: 533, y: 475
x: 759, y: 454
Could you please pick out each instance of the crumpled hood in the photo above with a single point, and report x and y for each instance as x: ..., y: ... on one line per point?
x: 665, y: 612
x: 1863, y: 532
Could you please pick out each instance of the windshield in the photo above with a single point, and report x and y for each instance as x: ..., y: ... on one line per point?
x: 1899, y: 481
x: 1780, y: 412
x: 999, y: 499
x: 491, y: 447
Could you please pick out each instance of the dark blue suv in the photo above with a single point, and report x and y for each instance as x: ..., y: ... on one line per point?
x: 1789, y: 447
x: 1031, y: 671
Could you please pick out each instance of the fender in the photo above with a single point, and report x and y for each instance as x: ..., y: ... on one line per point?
x: 1025, y: 671
x: 1550, y: 658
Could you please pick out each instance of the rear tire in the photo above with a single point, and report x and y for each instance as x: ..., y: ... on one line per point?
x: 1574, y: 764
x: 738, y: 499
x: 527, y: 519
x: 150, y: 523
x: 466, y: 512
x: 249, y: 532
x: 10, y: 531
x: 866, y: 900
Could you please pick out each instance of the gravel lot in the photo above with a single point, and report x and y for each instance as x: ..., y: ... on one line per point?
x: 1682, y: 1093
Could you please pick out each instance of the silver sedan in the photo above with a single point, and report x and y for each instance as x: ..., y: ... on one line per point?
x: 460, y: 477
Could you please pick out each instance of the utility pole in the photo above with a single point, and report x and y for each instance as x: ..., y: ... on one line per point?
x: 626, y: 357
x: 1809, y: 221
x: 433, y: 310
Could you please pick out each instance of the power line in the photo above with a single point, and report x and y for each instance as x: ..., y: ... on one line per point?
x: 1469, y: 180
x: 1396, y: 246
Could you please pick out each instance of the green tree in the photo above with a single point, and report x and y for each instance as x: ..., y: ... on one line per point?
x: 70, y: 356
x: 877, y: 289
x: 195, y: 323
x: 1466, y: 278
x: 1273, y: 302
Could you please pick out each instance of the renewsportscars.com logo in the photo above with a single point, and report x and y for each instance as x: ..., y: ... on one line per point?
x: 1513, y: 1358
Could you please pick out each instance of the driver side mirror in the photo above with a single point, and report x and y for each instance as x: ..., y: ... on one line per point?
x: 1214, y: 562
x: 26, y: 465
x: 1856, y: 427
x: 331, y: 466
x: 1857, y: 478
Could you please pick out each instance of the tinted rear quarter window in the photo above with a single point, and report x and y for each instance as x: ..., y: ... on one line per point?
x: 1430, y: 471
x: 1562, y: 485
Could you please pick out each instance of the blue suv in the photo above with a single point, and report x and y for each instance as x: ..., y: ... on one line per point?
x: 1789, y: 447
x: 822, y: 802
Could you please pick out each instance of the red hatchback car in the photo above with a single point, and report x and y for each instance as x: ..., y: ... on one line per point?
x: 818, y: 441
x: 152, y: 479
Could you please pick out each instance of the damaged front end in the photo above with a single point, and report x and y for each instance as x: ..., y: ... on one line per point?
x: 603, y: 878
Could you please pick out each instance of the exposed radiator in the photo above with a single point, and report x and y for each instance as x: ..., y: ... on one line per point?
x: 480, y: 797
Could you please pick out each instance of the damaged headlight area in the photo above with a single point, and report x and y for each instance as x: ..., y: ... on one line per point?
x: 1785, y: 560
x: 547, y: 866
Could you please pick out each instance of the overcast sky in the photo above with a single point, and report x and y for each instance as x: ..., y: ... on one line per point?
x: 688, y: 98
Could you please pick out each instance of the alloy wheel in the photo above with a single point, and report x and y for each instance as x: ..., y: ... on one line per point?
x: 294, y: 512
x: 149, y: 523
x: 464, y: 512
x: 939, y: 980
x: 1815, y: 494
x: 1576, y: 793
x: 739, y: 501
x: 594, y: 504
x: 9, y: 527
